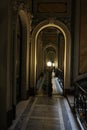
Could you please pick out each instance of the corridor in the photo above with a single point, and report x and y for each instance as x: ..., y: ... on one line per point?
x: 45, y: 113
x: 35, y: 37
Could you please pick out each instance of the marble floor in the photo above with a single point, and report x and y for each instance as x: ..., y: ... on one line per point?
x: 45, y: 113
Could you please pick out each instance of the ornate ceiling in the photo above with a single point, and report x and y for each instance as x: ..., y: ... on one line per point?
x: 50, y: 36
x: 55, y: 7
x: 51, y: 9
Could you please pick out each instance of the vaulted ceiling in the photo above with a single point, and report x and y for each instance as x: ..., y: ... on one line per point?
x: 50, y: 36
x: 56, y: 9
x: 51, y: 9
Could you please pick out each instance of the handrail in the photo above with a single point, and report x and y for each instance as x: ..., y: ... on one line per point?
x: 80, y: 102
x: 79, y: 86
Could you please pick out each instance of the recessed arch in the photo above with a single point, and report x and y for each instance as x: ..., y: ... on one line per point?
x: 67, y: 56
x: 53, y: 51
x: 50, y: 46
x: 21, y: 41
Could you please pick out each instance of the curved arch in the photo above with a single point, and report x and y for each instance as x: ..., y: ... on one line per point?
x: 49, y: 46
x: 23, y: 17
x: 54, y: 51
x: 67, y: 57
x: 53, y: 54
x: 24, y: 45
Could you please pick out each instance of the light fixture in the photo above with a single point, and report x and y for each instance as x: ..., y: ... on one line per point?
x: 49, y: 64
x: 53, y: 64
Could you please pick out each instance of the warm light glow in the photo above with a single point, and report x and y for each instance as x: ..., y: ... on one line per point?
x: 49, y: 64
x: 53, y: 64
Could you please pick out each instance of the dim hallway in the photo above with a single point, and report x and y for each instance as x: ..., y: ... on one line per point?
x: 38, y: 36
x: 45, y: 113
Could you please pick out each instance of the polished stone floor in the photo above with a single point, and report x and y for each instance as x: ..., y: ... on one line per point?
x: 45, y: 113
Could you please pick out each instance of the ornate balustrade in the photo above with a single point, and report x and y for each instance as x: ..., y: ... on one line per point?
x: 80, y: 102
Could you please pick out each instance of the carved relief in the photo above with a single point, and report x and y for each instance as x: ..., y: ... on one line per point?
x: 15, y: 7
x: 52, y: 7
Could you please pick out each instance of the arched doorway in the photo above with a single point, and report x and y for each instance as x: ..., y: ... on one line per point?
x: 67, y: 56
x: 21, y: 58
x: 52, y: 51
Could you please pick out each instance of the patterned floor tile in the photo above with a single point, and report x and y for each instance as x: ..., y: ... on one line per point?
x: 45, y: 113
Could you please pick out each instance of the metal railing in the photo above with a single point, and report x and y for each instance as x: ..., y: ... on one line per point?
x: 80, y: 103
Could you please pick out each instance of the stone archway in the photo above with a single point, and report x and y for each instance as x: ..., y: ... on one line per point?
x: 24, y: 54
x: 67, y: 56
x: 53, y: 52
x: 47, y: 46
